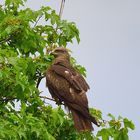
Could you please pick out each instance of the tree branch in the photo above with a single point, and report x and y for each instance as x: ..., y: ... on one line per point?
x: 39, y: 76
x: 5, y: 40
x: 39, y: 80
x: 8, y: 99
x: 44, y: 97
x: 61, y: 8
x: 37, y: 20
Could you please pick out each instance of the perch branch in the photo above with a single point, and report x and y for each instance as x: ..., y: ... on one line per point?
x: 44, y: 97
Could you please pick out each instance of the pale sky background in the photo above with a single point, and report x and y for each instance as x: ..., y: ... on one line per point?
x: 110, y: 51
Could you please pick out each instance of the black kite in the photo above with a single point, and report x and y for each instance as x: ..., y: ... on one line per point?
x: 67, y: 85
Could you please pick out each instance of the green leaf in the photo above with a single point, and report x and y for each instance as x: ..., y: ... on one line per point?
x: 105, y: 134
x: 111, y: 116
x: 21, y: 134
x: 96, y: 113
x: 128, y: 124
x: 122, y: 135
x: 79, y: 68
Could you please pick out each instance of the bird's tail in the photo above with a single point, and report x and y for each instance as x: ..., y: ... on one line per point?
x: 81, y: 123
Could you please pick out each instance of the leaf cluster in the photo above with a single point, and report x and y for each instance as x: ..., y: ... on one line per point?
x: 114, y: 128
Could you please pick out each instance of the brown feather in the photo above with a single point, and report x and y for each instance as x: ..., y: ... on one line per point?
x: 81, y: 123
x: 67, y: 85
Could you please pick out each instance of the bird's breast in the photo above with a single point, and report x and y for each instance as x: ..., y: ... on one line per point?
x: 57, y: 81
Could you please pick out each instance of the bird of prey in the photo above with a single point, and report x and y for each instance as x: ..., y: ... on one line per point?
x: 67, y: 85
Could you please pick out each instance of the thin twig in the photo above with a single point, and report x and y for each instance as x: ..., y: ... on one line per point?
x: 61, y: 8
x: 39, y: 80
x: 60, y: 12
x: 8, y: 99
x: 40, y: 77
x: 44, y: 97
x: 37, y: 20
x: 5, y: 40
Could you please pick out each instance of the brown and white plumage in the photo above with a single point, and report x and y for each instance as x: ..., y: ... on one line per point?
x: 68, y: 85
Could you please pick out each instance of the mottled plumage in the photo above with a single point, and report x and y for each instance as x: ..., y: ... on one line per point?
x: 68, y: 85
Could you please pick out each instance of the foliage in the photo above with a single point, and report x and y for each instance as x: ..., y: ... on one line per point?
x: 25, y: 47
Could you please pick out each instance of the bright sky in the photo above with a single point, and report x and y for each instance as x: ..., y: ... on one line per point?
x: 110, y: 51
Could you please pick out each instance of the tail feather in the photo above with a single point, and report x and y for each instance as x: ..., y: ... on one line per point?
x: 94, y: 120
x: 81, y: 123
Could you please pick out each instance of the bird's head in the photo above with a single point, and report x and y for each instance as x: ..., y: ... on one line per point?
x: 61, y: 52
